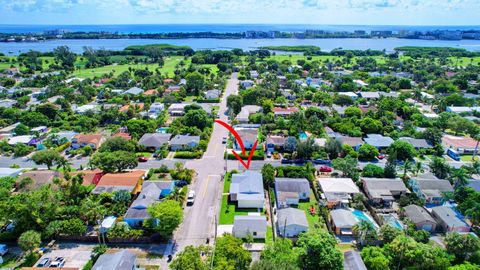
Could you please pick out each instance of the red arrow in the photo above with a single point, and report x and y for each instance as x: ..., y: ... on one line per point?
x: 240, y: 143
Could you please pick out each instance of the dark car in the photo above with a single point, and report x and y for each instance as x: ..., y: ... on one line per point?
x: 181, y: 183
x: 319, y: 161
x: 286, y: 161
x: 45, y: 262
x: 381, y: 156
x: 299, y: 161
x: 142, y: 159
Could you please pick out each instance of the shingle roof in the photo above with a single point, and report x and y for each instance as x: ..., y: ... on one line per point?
x: 122, y: 260
x: 250, y: 223
x: 154, y: 139
x: 417, y: 143
x: 40, y: 178
x: 378, y: 140
x: 298, y: 185
x: 417, y: 214
x: 353, y: 261
x: 343, y: 218
x: 184, y: 139
x: 447, y: 215
x: 291, y: 216
x: 434, y: 187
x: 338, y: 185
x: 383, y: 187
x: 247, y: 185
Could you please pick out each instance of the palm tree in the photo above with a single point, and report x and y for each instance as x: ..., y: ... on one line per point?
x: 459, y: 177
x: 64, y: 164
x: 177, y: 195
x: 418, y: 168
x: 92, y: 210
x: 363, y: 229
x: 406, y: 167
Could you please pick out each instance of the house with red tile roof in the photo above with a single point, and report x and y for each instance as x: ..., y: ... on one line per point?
x: 124, y: 135
x: 90, y: 177
x: 130, y: 181
x: 279, y: 111
x: 81, y: 140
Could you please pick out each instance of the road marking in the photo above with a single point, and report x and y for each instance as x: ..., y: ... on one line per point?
x: 206, y: 186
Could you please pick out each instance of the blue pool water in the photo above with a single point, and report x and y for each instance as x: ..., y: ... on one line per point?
x: 303, y: 136
x: 394, y: 222
x: 361, y: 216
x: 162, y: 130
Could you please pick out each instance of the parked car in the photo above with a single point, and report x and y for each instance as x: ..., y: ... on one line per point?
x: 142, y: 159
x: 45, y: 262
x: 269, y: 154
x: 286, y: 161
x: 299, y: 161
x: 319, y: 161
x: 191, y: 197
x: 59, y: 262
x: 224, y: 140
x: 181, y: 183
x: 325, y: 169
x: 381, y: 156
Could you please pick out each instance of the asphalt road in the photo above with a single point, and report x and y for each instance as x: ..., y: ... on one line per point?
x: 200, y: 218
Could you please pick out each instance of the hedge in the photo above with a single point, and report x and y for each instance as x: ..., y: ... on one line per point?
x: 257, y: 155
x: 213, y: 100
x: 189, y: 155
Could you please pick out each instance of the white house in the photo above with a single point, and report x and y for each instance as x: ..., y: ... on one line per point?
x: 254, y: 225
x: 291, y: 222
x: 247, y: 190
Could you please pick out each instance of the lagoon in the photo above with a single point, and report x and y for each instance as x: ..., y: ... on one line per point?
x: 327, y: 44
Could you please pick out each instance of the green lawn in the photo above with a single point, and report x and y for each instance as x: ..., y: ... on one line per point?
x: 269, y: 235
x: 229, y: 210
x: 468, y: 158
x: 313, y: 221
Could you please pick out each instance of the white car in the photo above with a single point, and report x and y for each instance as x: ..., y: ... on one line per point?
x: 191, y: 197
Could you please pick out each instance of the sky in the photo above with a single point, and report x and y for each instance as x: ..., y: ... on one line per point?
x: 350, y: 12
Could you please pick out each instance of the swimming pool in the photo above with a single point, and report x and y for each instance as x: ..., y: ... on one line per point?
x: 360, y: 215
x: 393, y: 221
x: 162, y: 130
x: 303, y: 136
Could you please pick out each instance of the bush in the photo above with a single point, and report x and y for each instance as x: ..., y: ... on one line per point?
x: 122, y: 230
x: 188, y: 155
x: 372, y: 170
x: 257, y: 155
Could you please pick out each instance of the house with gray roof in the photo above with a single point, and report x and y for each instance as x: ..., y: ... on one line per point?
x: 248, y: 135
x: 152, y: 191
x: 291, y: 222
x: 289, y: 191
x: 354, y: 142
x: 154, y: 140
x: 243, y: 115
x: 213, y: 94
x: 417, y: 143
x: 382, y: 192
x: 184, y: 142
x: 448, y: 220
x: 247, y: 190
x: 378, y: 140
x: 7, y: 103
x: 353, y: 261
x: 121, y: 260
x: 254, y: 225
x: 431, y: 190
x: 134, y: 91
x: 420, y: 217
x: 342, y: 221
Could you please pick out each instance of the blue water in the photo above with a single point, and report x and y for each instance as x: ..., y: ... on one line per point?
x: 223, y: 28
x: 326, y: 44
x: 361, y: 216
x: 162, y: 130
x: 394, y: 222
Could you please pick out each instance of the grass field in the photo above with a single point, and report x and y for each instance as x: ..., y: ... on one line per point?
x: 313, y: 220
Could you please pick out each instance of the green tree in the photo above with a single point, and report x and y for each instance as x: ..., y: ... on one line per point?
x: 118, y: 144
x: 462, y: 246
x: 365, y: 231
x: 348, y: 166
x: 388, y: 233
x: 268, y: 174
x: 29, y: 240
x: 375, y: 258
x: 439, y: 168
x: 195, y: 82
x: 189, y: 259
x: 230, y: 254
x: 117, y: 161
x: 197, y: 118
x: 372, y: 170
x: 48, y: 157
x: 21, y: 129
x: 20, y: 150
x: 169, y: 214
x: 402, y: 150
x: 64, y: 55
x: 317, y: 250
x: 367, y: 152
x: 333, y: 147
x: 138, y: 127
x: 234, y: 103
x: 280, y: 252
x: 305, y: 149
